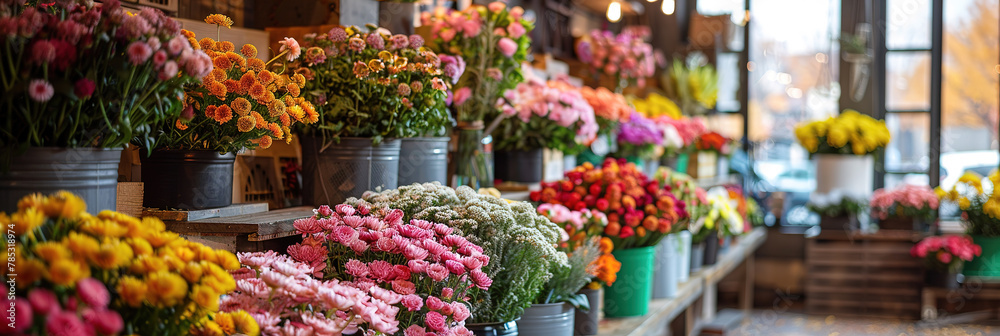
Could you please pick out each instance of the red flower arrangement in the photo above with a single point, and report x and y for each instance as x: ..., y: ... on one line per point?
x: 713, y: 141
x: 640, y: 211
x: 946, y: 252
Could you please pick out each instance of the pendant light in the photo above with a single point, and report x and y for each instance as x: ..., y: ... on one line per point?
x: 668, y: 7
x: 614, y: 11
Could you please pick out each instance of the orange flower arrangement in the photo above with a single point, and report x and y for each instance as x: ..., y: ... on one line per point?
x: 242, y: 104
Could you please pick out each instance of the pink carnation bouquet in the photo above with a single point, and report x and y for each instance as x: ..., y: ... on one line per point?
x: 912, y: 201
x: 946, y: 253
x: 422, y: 270
x: 284, y: 299
x: 549, y: 114
x: 627, y: 57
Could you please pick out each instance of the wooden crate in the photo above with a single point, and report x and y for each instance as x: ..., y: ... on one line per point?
x: 857, y: 275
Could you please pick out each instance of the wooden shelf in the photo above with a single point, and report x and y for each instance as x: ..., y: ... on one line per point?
x: 701, y: 284
x: 262, y: 226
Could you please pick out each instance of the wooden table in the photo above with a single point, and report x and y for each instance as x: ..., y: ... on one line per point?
x: 700, y: 286
x: 248, y: 229
x: 974, y: 288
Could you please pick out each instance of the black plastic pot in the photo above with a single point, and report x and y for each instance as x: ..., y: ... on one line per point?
x: 939, y: 279
x: 586, y: 322
x: 711, y: 249
x: 346, y: 169
x: 187, y: 179
x: 519, y: 166
x: 842, y: 223
x: 493, y: 329
x: 91, y: 173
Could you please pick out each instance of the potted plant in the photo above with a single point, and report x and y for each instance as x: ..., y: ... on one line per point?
x: 610, y: 109
x: 540, y: 115
x: 593, y: 265
x: 909, y: 207
x: 981, y: 214
x: 841, y: 148
x: 944, y: 256
x: 371, y: 89
x: 493, y: 41
x: 520, y: 244
x: 711, y: 156
x: 639, y: 141
x: 640, y: 213
x: 110, y: 274
x: 81, y: 80
x: 838, y: 209
x: 693, y: 84
x: 424, y: 269
x: 722, y: 220
x: 239, y: 105
x: 678, y: 154
x: 625, y: 58
x: 694, y: 197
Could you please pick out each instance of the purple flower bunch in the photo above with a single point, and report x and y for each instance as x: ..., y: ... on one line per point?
x: 640, y: 131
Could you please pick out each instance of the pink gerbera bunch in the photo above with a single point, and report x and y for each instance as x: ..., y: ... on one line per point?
x: 281, y: 296
x: 546, y: 114
x: 907, y: 201
x: 946, y: 252
x: 420, y: 268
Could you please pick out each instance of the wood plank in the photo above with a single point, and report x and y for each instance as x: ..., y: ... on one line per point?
x: 193, y: 215
x: 816, y: 288
x: 661, y: 312
x: 729, y: 260
x: 883, y: 235
x: 275, y: 222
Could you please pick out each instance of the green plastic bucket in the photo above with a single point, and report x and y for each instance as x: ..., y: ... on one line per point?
x: 988, y: 264
x: 631, y: 292
x: 682, y: 163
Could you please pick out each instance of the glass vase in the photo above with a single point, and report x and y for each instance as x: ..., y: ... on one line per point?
x: 473, y: 164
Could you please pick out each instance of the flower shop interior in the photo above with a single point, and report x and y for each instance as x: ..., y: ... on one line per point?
x: 518, y: 167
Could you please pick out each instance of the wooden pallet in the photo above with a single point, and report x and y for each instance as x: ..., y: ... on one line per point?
x: 849, y: 274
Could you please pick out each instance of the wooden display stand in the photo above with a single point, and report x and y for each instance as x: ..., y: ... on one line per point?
x: 696, y: 298
x: 871, y: 275
x: 246, y: 227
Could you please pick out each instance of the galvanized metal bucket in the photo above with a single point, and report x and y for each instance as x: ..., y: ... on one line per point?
x: 423, y: 159
x: 493, y: 329
x: 187, y: 179
x: 347, y: 169
x: 665, y: 273
x: 91, y: 173
x: 549, y: 319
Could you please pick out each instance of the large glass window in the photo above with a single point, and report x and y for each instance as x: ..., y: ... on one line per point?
x: 969, y: 92
x: 792, y: 78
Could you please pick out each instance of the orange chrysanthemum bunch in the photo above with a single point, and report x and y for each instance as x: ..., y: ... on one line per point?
x: 240, y: 104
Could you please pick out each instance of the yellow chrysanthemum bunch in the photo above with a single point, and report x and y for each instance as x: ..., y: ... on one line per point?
x: 171, y: 283
x: 980, y: 206
x: 656, y: 105
x: 240, y: 104
x: 848, y: 133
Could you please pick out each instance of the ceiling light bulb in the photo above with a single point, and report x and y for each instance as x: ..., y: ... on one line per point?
x: 667, y: 7
x: 614, y: 11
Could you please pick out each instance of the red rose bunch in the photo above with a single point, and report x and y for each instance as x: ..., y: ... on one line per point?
x: 640, y: 211
x: 713, y: 141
